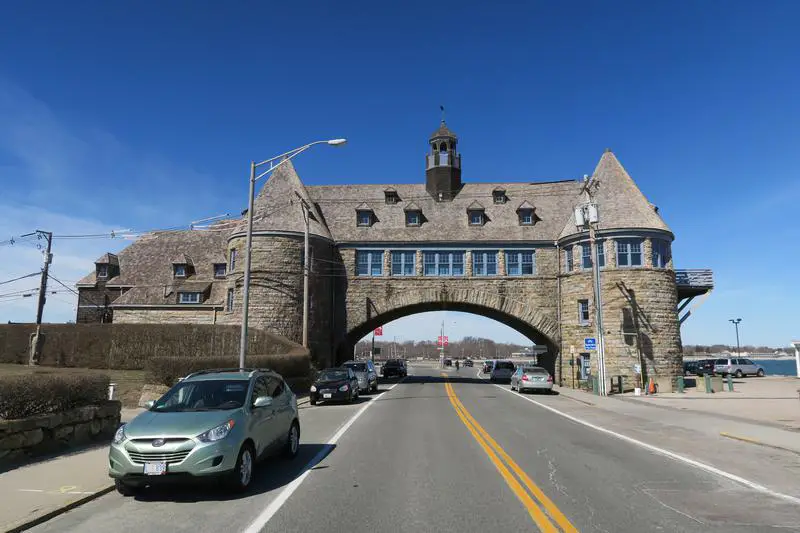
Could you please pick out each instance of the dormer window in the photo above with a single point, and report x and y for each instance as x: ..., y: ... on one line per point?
x: 390, y: 196
x: 179, y: 271
x: 499, y: 196
x: 526, y: 214
x: 219, y: 270
x: 413, y: 215
x: 189, y: 297
x: 364, y: 218
x: 476, y: 214
x: 102, y: 271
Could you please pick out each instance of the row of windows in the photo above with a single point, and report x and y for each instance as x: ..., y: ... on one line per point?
x: 628, y: 253
x: 446, y: 263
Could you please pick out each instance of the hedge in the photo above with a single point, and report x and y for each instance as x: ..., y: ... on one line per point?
x: 167, y: 369
x: 39, y: 394
x: 130, y: 346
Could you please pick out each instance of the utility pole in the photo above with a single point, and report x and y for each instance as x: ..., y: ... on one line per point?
x: 48, y: 258
x: 306, y: 266
x: 587, y: 215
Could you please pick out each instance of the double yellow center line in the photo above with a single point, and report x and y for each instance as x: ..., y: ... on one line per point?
x: 545, y: 514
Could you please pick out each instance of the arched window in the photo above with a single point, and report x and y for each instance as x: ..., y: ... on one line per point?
x: 443, y: 147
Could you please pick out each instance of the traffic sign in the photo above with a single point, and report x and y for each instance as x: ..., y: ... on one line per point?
x: 379, y: 331
x: 590, y: 344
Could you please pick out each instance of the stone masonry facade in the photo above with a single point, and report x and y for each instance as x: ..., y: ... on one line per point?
x: 508, y: 251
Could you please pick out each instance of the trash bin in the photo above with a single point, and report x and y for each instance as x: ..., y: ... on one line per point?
x: 716, y: 384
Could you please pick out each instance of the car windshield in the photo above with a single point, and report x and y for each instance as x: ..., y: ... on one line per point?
x: 357, y: 367
x: 333, y: 375
x: 203, y: 395
x: 393, y: 363
x: 504, y: 365
x: 535, y: 370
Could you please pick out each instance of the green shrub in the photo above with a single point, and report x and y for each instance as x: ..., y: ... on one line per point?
x: 166, y: 370
x: 39, y: 394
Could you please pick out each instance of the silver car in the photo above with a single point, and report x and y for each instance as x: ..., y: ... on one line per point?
x: 738, y: 367
x: 211, y: 424
x: 502, y: 371
x: 366, y: 374
x: 532, y: 378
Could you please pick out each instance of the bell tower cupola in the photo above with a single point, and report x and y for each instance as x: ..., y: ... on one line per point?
x: 443, y: 164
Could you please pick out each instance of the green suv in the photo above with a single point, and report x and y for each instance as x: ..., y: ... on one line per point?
x: 213, y: 423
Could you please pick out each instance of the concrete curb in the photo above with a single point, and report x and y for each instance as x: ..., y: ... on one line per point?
x: 748, y: 440
x: 33, y: 522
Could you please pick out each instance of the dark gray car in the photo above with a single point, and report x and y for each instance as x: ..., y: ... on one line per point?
x: 366, y: 374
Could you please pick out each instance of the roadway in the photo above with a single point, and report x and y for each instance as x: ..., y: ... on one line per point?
x: 452, y: 453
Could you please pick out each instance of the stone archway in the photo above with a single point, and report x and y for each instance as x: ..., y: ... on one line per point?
x: 386, y: 305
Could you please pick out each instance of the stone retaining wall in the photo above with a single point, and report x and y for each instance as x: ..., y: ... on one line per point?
x: 43, y: 434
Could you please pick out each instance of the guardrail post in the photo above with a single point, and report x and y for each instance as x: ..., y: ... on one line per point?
x: 707, y: 380
x: 730, y: 383
x: 681, y: 384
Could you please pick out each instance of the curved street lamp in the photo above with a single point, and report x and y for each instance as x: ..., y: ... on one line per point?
x: 273, y: 165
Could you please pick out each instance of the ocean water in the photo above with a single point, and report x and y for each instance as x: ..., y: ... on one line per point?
x: 784, y: 367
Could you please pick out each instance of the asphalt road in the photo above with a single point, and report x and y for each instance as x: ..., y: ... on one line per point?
x: 463, y: 456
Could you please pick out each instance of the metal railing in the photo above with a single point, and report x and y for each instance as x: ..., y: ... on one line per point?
x: 698, y: 277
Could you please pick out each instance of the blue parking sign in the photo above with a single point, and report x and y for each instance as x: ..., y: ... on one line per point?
x: 590, y: 343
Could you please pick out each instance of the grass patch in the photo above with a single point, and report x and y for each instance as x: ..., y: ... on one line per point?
x: 129, y: 382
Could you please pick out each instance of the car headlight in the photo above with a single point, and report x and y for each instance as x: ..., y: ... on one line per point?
x: 313, y: 388
x: 344, y: 387
x: 119, y: 436
x: 217, y: 433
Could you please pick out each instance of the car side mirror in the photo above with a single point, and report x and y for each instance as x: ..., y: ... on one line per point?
x: 149, y: 404
x: 262, y: 401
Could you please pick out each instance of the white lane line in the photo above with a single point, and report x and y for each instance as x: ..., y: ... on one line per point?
x: 672, y: 455
x: 266, y: 515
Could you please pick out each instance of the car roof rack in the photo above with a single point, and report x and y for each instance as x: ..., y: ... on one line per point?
x: 252, y: 371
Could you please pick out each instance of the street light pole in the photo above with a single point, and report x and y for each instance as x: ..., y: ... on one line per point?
x: 273, y: 163
x: 736, y: 322
x: 306, y: 267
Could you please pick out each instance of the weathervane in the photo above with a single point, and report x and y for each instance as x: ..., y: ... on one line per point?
x: 442, y: 108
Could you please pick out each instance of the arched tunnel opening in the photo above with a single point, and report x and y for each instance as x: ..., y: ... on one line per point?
x: 523, y: 334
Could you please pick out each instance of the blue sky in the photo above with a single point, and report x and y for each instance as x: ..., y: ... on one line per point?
x: 144, y: 115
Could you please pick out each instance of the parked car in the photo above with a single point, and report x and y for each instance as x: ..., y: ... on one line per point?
x: 689, y: 368
x: 334, y: 384
x: 448, y: 362
x: 704, y: 367
x: 366, y: 374
x: 738, y: 367
x: 394, y: 368
x: 487, y: 367
x: 531, y: 378
x: 468, y: 363
x: 211, y: 424
x: 502, y: 371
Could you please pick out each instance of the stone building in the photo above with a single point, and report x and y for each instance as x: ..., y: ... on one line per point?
x: 508, y: 251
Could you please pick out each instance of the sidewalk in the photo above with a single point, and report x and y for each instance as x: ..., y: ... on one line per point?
x: 701, y: 417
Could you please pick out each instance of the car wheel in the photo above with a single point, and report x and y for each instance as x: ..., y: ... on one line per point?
x: 738, y: 373
x: 242, y: 473
x: 124, y: 489
x: 292, y: 441
x: 760, y: 373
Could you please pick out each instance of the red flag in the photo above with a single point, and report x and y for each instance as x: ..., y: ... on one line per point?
x: 379, y: 331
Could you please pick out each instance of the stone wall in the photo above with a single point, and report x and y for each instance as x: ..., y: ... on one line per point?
x: 276, y: 289
x: 44, y: 434
x: 93, y: 304
x: 639, y: 318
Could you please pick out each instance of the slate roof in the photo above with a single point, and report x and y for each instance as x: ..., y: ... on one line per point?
x: 620, y: 203
x: 443, y: 131
x: 278, y: 208
x: 446, y: 221
x: 107, y: 259
x: 147, y: 265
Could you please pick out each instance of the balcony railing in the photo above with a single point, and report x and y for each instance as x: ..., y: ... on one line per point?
x: 695, y: 278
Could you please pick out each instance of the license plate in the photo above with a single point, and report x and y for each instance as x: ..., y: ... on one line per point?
x: 155, y: 469
x: 326, y: 395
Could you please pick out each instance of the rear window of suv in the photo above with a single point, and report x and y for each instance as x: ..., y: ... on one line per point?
x: 504, y: 365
